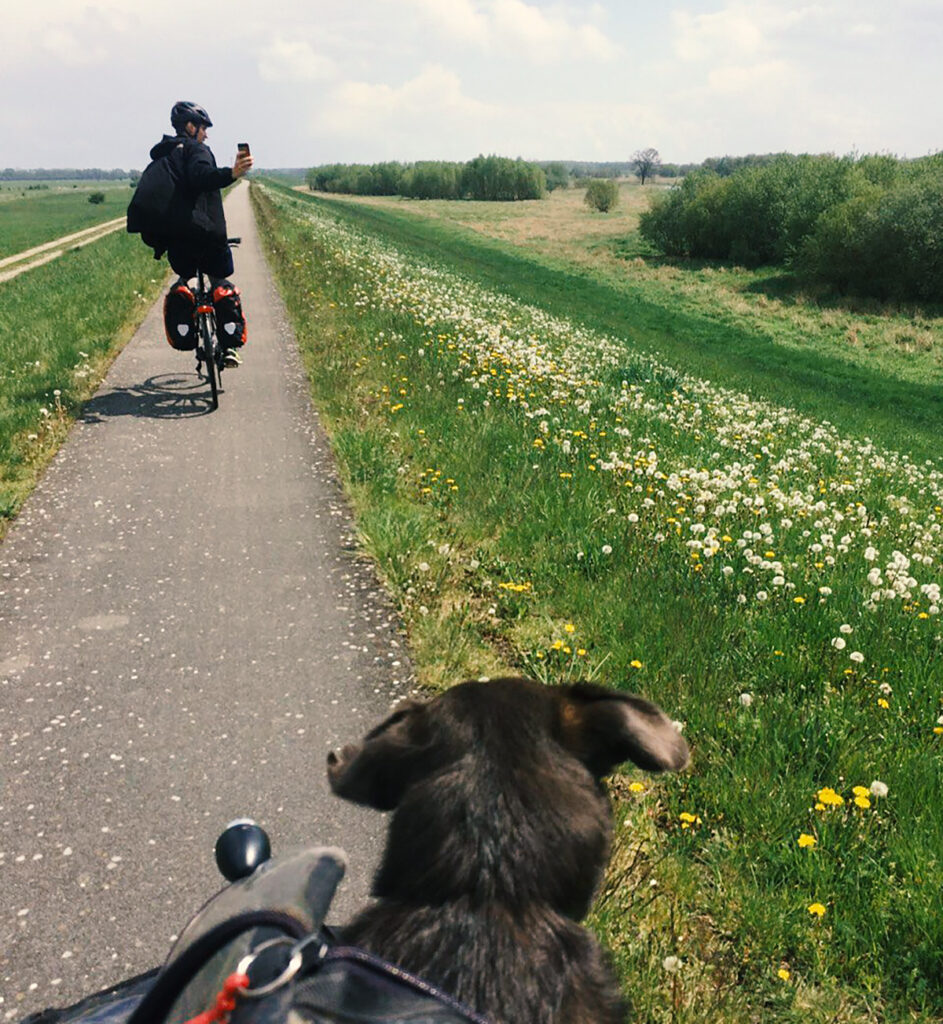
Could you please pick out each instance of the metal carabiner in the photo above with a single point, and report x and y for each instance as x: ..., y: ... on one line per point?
x: 288, y: 972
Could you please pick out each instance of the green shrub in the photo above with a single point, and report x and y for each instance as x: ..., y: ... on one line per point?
x: 491, y: 178
x: 884, y: 243
x: 499, y: 178
x: 872, y: 226
x: 96, y: 198
x: 557, y: 175
x: 602, y: 195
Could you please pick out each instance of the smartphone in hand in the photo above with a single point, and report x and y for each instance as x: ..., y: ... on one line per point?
x: 243, y: 148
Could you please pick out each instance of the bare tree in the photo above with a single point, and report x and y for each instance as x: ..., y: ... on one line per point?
x: 647, y: 162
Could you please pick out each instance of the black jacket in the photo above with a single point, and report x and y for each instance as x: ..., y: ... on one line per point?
x: 200, y: 180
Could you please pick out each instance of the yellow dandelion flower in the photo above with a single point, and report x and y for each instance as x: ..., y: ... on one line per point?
x: 829, y: 797
x: 783, y: 974
x: 636, y: 787
x: 816, y: 909
x: 569, y: 628
x: 805, y: 840
x: 635, y: 663
x: 863, y: 802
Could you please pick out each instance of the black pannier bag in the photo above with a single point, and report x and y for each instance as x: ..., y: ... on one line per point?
x: 263, y: 938
x: 230, y: 320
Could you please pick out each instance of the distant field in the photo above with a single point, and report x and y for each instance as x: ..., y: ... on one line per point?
x: 568, y: 463
x: 31, y: 217
x: 906, y: 342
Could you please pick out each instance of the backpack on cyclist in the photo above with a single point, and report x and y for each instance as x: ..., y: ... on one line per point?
x: 159, y: 209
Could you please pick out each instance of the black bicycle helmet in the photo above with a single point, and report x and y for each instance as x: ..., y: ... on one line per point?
x: 184, y: 112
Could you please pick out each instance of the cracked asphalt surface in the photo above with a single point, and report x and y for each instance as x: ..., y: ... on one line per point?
x: 185, y: 631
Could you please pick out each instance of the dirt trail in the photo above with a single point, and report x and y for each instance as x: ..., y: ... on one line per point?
x: 54, y: 249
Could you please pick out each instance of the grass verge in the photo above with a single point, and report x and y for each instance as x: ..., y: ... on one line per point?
x: 29, y: 221
x: 61, y: 325
x: 565, y: 501
x: 870, y: 372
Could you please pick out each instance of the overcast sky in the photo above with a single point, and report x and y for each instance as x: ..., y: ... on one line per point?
x: 91, y: 84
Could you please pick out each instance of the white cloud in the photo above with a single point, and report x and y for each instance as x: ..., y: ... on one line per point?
x: 312, y: 81
x: 429, y: 106
x: 513, y: 27
x: 752, y: 81
x: 738, y: 30
x: 546, y: 37
x: 284, y: 60
x: 461, y: 19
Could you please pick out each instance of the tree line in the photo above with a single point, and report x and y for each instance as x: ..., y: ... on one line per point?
x: 66, y: 174
x: 870, y: 225
x: 485, y: 177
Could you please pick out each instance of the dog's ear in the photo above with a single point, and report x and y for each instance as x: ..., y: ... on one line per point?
x: 378, y: 770
x: 603, y: 728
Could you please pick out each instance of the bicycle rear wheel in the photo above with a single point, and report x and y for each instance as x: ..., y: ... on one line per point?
x: 208, y: 342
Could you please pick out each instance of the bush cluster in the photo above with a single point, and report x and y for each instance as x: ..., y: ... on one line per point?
x: 601, y: 194
x: 871, y: 226
x: 485, y: 177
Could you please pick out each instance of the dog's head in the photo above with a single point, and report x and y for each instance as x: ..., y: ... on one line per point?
x: 496, y: 789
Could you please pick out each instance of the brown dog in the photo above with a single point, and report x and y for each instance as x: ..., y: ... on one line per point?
x: 499, y: 839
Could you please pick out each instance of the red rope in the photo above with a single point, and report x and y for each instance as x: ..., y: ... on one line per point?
x: 225, y: 1001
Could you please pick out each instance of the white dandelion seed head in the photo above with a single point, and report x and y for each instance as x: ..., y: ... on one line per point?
x: 878, y: 788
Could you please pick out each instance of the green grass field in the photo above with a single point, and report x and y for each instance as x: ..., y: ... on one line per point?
x: 30, y: 218
x: 60, y: 327
x: 573, y: 471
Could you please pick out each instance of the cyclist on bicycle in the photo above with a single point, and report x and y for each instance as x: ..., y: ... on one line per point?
x: 204, y: 245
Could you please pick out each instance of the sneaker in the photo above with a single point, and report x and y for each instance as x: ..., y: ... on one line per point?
x: 179, y: 308
x: 231, y: 357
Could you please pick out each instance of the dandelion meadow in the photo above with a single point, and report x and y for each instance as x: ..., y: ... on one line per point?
x: 545, y: 497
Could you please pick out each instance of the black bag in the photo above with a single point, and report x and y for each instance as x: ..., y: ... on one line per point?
x: 160, y: 210
x: 269, y: 927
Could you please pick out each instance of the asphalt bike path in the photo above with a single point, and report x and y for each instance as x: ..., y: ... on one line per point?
x: 185, y: 631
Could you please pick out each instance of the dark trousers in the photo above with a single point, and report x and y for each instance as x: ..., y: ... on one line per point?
x: 214, y: 260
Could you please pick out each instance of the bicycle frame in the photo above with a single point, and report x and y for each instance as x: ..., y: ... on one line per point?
x: 209, y: 352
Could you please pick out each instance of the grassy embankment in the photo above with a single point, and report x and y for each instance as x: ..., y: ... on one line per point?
x: 61, y: 325
x: 769, y: 302
x: 605, y: 486
x: 30, y: 218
